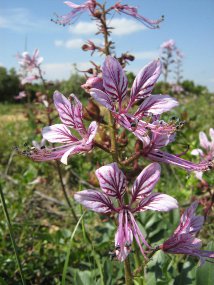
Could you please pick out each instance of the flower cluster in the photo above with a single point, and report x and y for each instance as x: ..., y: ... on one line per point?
x: 137, y: 111
x: 92, y: 6
x: 30, y: 66
x: 70, y: 113
x: 208, y: 153
x: 183, y: 240
x: 114, y: 186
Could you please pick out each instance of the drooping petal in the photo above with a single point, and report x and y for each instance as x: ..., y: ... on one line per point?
x: 197, y: 151
x: 133, y: 12
x: 112, y: 180
x: 189, y: 222
x: 145, y: 80
x: 123, y: 237
x: 70, y: 112
x: 212, y: 134
x: 92, y: 130
x: 114, y: 80
x: 160, y: 140
x: 146, y: 181
x: 156, y: 105
x: 158, y: 202
x: 204, y: 141
x: 58, y: 133
x: 102, y: 98
x: 77, y: 148
x: 138, y: 234
x: 94, y: 200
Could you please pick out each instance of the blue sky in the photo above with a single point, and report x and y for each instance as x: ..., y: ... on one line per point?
x: 189, y: 22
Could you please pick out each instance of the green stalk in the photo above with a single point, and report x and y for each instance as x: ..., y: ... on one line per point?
x: 11, y: 235
x: 65, y: 268
x: 112, y: 137
x: 128, y: 273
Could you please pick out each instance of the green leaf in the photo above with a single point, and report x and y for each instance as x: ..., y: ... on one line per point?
x: 205, y: 273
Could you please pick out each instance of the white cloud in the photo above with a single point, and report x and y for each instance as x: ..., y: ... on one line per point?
x: 146, y: 55
x: 61, y: 71
x: 122, y: 26
x: 84, y: 28
x: 74, y: 43
x: 125, y: 26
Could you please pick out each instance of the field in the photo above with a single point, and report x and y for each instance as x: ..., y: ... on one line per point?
x: 46, y: 233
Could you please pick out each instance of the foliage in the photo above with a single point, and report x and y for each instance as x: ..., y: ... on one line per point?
x: 9, y: 84
x: 43, y: 228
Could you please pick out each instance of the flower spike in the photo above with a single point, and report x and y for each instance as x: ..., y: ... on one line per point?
x: 113, y: 183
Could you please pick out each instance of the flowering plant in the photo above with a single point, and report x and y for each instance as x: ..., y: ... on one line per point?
x: 128, y: 116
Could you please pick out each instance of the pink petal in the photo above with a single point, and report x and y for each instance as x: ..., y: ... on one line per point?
x: 145, y: 80
x: 158, y: 202
x: 94, y: 200
x: 197, y: 151
x: 77, y: 148
x: 73, y: 5
x: 114, y: 79
x: 146, y: 181
x: 160, y: 140
x: 156, y: 104
x: 112, y: 180
x: 102, y: 98
x: 58, y: 133
x: 204, y: 141
x: 70, y: 112
x: 189, y: 222
x: 212, y: 134
x: 92, y: 130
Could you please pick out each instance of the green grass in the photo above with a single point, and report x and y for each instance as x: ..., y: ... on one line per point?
x: 43, y: 227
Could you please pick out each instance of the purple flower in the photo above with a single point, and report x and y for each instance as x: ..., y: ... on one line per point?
x: 208, y: 146
x: 151, y: 150
x: 176, y: 88
x: 70, y: 113
x: 113, y: 95
x: 114, y: 185
x: 76, y: 11
x: 93, y: 82
x: 183, y: 240
x: 21, y: 95
x: 28, y: 62
x: 169, y: 45
x: 133, y: 12
x: 29, y: 79
x: 208, y: 153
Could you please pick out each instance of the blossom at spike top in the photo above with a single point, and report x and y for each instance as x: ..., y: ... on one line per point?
x: 70, y: 113
x: 169, y: 45
x: 207, y: 151
x: 156, y: 134
x: 28, y: 62
x: 111, y: 201
x: 183, y: 240
x: 92, y: 7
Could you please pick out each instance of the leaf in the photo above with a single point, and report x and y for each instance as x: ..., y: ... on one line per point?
x: 205, y: 273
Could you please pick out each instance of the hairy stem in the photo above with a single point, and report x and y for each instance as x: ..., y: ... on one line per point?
x: 12, y: 236
x: 128, y: 273
x: 111, y: 122
x: 112, y: 131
